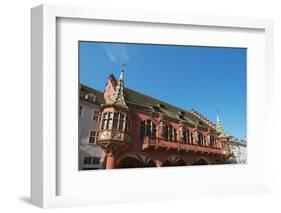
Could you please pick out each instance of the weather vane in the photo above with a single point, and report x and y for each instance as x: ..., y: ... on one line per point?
x: 123, y: 67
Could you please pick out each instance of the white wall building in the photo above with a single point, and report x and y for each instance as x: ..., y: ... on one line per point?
x: 239, y: 151
x: 91, y: 156
x: 237, y: 147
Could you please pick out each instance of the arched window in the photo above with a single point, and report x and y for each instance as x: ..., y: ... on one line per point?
x: 187, y: 136
x: 148, y: 128
x: 115, y: 120
x: 169, y: 133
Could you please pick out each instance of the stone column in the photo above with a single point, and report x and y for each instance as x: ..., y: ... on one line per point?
x: 159, y: 163
x: 109, y: 161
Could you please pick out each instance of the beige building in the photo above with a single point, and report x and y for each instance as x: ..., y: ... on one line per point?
x: 91, y: 156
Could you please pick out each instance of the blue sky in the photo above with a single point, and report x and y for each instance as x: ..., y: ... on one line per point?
x: 207, y: 79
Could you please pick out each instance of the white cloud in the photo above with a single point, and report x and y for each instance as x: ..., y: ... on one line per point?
x: 117, y: 53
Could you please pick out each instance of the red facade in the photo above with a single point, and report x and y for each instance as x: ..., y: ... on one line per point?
x: 134, y: 136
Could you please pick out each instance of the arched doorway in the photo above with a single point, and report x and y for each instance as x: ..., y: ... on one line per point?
x: 174, y: 161
x: 200, y: 162
x: 135, y: 161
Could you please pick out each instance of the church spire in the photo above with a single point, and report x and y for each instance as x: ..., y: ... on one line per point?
x: 218, y: 119
x: 118, y: 96
x: 219, y: 127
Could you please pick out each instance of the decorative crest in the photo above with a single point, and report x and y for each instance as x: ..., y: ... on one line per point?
x: 118, y: 96
x: 219, y: 127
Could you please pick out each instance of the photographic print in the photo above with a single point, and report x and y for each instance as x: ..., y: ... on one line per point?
x: 151, y: 105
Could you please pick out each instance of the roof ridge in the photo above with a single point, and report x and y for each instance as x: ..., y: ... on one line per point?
x: 90, y: 88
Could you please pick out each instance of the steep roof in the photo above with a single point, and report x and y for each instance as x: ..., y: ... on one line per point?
x: 84, y: 90
x: 139, y: 101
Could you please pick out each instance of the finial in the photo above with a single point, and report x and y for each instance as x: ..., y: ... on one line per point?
x: 121, y: 78
x: 118, y: 97
x: 218, y: 119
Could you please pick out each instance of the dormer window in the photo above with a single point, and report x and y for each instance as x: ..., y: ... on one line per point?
x: 91, y: 97
x: 181, y: 117
x: 201, y: 123
x: 156, y: 108
x: 181, y: 113
x: 160, y: 105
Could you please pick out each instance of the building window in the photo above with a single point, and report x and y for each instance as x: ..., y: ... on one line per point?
x: 200, y: 138
x: 91, y: 97
x: 204, y: 140
x: 169, y: 133
x: 81, y: 110
x: 107, y: 120
x: 96, y: 115
x: 148, y: 128
x: 91, y: 161
x: 212, y: 141
x: 93, y: 137
x: 186, y: 136
x: 191, y: 138
x: 127, y: 125
x: 121, y: 119
x: 115, y: 120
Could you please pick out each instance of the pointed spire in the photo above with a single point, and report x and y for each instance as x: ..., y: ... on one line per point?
x: 118, y: 97
x: 218, y: 119
x: 219, y: 127
x: 121, y: 77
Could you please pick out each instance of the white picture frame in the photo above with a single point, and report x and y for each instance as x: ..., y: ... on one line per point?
x: 45, y: 170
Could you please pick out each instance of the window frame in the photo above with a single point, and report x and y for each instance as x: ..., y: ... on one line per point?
x: 170, y: 131
x: 116, y: 120
x: 81, y: 112
x: 95, y: 136
x: 149, y: 132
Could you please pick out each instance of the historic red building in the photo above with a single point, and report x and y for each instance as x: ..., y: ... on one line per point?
x: 140, y: 131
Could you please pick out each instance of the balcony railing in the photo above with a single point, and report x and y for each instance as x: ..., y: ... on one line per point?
x: 180, y: 146
x: 112, y: 134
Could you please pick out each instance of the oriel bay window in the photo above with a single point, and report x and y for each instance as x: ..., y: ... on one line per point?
x: 115, y: 120
x: 148, y: 128
x: 169, y: 133
x: 107, y: 118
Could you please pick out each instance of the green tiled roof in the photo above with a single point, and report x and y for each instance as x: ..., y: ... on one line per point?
x: 137, y: 100
x: 88, y: 90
